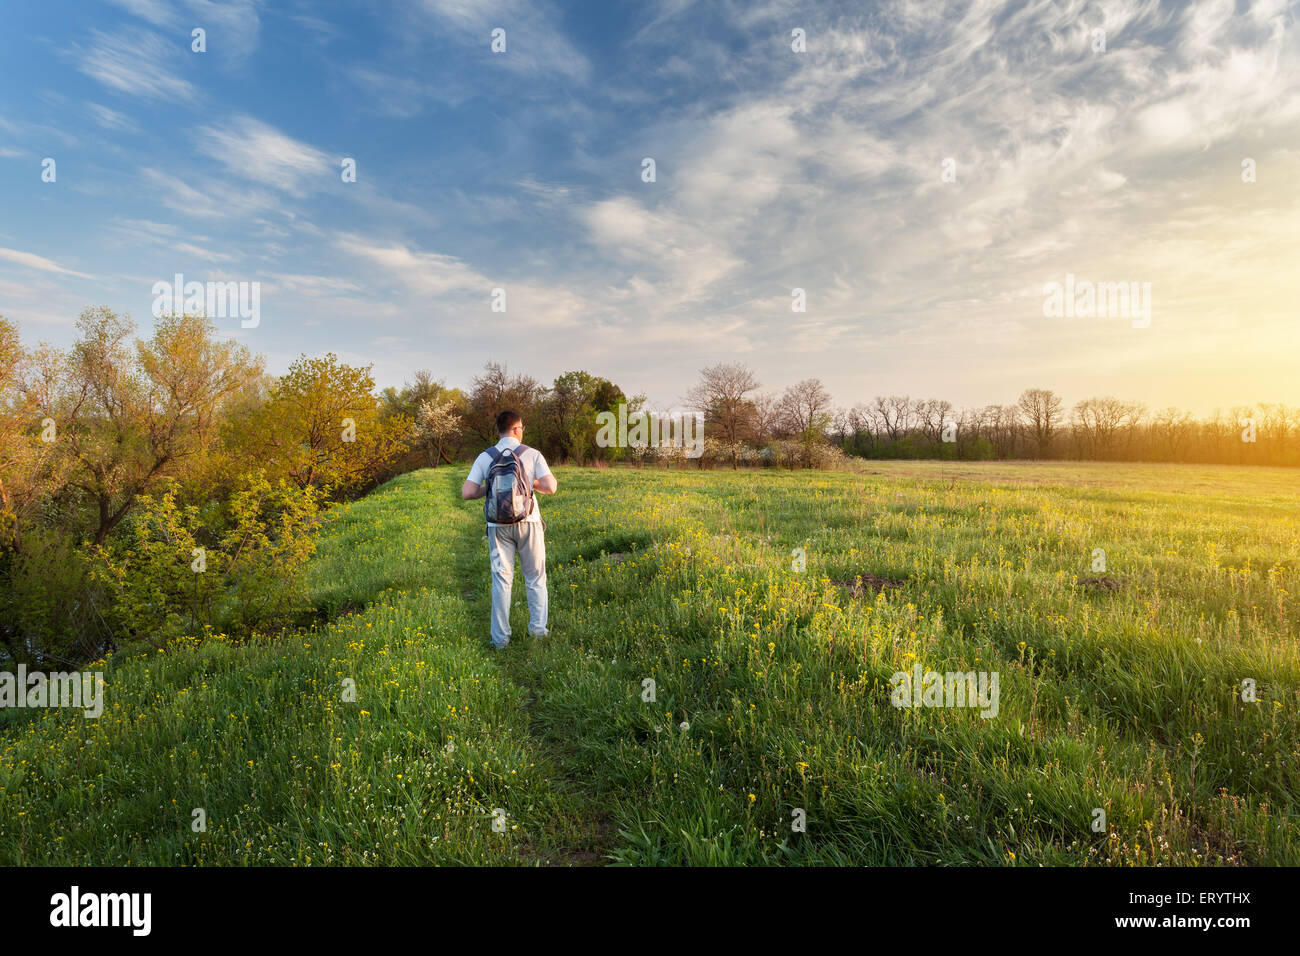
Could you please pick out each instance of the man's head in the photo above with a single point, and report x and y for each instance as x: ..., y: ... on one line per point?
x: 510, y: 424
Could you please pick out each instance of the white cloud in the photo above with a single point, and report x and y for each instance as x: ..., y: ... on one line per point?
x: 233, y: 26
x: 158, y: 12
x: 313, y: 285
x: 111, y: 119
x: 534, y: 44
x: 684, y: 257
x: 429, y: 273
x: 134, y: 62
x: 254, y: 150
x: 215, y: 200
x: 33, y: 261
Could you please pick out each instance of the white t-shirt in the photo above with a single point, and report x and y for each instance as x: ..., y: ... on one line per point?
x: 534, y: 463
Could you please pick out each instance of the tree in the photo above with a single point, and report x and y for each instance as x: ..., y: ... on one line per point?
x: 322, y: 427
x: 437, y: 426
x: 932, y: 413
x: 495, y: 390
x: 253, y: 561
x: 30, y: 466
x: 806, y: 407
x: 805, y: 413
x: 1173, y: 427
x: 722, y: 395
x: 1099, y: 422
x: 424, y: 392
x: 1042, y: 413
x: 766, y: 415
x: 893, y: 415
x: 422, y: 387
x: 568, y: 413
x: 1002, y: 422
x: 132, y: 417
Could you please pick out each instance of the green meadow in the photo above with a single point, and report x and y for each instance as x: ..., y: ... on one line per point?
x: 716, y: 688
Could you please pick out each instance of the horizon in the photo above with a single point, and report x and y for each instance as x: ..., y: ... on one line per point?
x: 921, y: 174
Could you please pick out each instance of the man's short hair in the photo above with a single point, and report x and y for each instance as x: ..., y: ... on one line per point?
x: 507, y: 420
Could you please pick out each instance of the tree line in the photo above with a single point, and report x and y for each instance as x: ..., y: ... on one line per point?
x: 164, y: 487
x: 753, y: 426
x: 168, y: 485
x: 153, y: 487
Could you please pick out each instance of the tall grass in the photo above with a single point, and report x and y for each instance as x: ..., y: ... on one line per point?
x: 771, y: 685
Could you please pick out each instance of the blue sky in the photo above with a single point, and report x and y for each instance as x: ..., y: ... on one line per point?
x: 775, y: 169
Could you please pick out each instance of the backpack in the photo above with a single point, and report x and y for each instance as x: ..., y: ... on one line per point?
x: 509, y: 486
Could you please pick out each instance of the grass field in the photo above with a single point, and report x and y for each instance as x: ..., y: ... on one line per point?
x: 772, y: 685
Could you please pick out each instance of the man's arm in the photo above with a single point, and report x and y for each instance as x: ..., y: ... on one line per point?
x: 473, y: 489
x: 544, y: 483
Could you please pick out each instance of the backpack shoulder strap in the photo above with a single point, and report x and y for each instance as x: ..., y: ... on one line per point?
x: 493, y: 453
x: 528, y: 472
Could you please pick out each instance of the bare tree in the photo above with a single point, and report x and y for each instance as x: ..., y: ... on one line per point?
x: 766, y: 415
x: 1003, y: 422
x: 893, y: 415
x: 806, y: 407
x: 1276, y: 423
x: 842, y: 425
x: 1173, y: 427
x: 496, y: 390
x: 1041, y: 409
x: 1099, y: 422
x: 805, y: 411
x: 931, y: 414
x: 722, y: 395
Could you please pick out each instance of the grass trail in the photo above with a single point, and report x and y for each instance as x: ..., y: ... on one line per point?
x: 1128, y: 702
x: 701, y: 696
x: 260, y: 738
x: 589, y: 823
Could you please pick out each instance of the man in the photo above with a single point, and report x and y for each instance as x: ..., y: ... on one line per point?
x: 526, y: 537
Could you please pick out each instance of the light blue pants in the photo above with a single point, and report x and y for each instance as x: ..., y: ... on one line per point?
x: 527, y: 539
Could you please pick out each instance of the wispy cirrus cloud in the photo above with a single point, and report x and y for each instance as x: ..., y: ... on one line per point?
x: 233, y: 26
x: 776, y: 169
x: 158, y: 12
x: 40, y: 263
x: 172, y: 238
x: 111, y: 119
x: 429, y: 273
x: 257, y: 151
x: 135, y: 62
x: 535, y: 43
x: 538, y: 58
x: 210, y: 199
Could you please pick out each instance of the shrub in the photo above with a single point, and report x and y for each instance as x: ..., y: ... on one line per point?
x: 49, y: 609
x: 238, y: 571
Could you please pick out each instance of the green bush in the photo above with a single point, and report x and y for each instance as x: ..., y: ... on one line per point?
x: 48, y: 604
x: 238, y: 571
